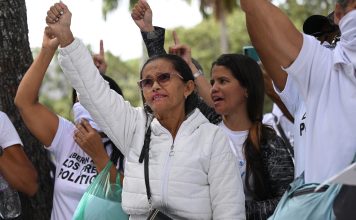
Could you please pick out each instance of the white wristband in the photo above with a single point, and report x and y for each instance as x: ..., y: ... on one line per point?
x: 197, y: 74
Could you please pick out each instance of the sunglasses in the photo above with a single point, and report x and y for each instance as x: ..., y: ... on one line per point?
x: 162, y: 79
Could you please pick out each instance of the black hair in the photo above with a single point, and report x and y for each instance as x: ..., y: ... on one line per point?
x: 116, y: 155
x: 249, y: 75
x: 344, y: 3
x: 184, y: 70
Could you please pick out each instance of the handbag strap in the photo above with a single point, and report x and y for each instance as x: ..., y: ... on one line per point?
x: 144, y: 157
x: 284, y: 137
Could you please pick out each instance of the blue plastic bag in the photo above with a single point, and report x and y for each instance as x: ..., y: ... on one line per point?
x: 102, y: 200
x: 300, y: 202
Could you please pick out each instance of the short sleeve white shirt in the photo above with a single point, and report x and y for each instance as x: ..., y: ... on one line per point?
x: 329, y: 93
x: 294, y: 103
x: 236, y: 141
x: 75, y: 171
x: 8, y: 133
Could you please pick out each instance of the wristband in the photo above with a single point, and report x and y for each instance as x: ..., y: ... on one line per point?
x: 197, y: 74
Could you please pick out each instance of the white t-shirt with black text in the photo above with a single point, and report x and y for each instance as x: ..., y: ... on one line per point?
x: 75, y: 171
x: 327, y: 84
x: 236, y: 141
x: 291, y: 98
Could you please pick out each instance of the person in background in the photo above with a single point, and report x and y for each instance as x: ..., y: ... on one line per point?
x: 77, y: 163
x: 153, y: 37
x: 15, y: 167
x: 325, y: 80
x: 99, y: 59
x: 322, y: 28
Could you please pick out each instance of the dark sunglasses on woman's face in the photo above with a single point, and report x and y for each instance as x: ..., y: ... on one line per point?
x: 161, y: 79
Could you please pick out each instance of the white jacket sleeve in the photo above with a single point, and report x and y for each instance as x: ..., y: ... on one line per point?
x: 226, y: 188
x: 117, y: 118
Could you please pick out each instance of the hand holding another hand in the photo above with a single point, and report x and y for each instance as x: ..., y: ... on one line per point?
x: 58, y: 20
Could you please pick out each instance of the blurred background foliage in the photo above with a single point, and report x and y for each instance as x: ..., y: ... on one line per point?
x: 205, y: 40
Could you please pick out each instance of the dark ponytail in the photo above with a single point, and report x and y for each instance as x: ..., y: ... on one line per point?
x: 249, y: 75
x: 257, y: 136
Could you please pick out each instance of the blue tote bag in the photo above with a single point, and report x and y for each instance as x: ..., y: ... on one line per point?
x: 301, y: 202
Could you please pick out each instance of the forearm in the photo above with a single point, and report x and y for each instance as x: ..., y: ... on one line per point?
x: 154, y: 41
x: 208, y: 112
x: 27, y: 93
x: 203, y: 87
x: 18, y: 171
x: 273, y: 36
x: 100, y: 164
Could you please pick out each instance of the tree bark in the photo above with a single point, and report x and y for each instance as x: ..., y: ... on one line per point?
x: 15, y: 59
x: 224, y: 39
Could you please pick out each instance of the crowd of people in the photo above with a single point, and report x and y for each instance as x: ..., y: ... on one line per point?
x: 198, y: 149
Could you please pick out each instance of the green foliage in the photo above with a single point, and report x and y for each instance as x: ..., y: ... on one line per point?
x: 55, y: 91
x: 299, y: 10
x: 111, y: 5
x: 203, y: 38
x: 126, y: 74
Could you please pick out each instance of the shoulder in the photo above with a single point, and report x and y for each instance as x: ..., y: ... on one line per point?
x: 64, y: 133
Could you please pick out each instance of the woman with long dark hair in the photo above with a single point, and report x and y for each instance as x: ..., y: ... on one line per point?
x: 237, y: 93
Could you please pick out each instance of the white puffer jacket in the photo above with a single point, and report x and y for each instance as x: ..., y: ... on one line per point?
x: 200, y: 180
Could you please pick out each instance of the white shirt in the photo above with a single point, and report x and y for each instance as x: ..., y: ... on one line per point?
x: 8, y: 133
x: 237, y: 140
x: 327, y: 82
x: 290, y: 96
x: 75, y: 171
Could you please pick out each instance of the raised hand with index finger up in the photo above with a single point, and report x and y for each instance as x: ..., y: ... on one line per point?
x: 99, y: 59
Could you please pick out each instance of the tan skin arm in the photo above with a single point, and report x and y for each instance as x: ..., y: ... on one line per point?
x: 42, y: 123
x: 274, y: 37
x: 90, y: 141
x: 18, y: 170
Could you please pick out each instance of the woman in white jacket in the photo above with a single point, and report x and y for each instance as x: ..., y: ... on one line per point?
x: 192, y: 171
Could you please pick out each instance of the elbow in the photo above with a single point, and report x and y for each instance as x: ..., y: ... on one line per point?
x: 18, y: 102
x: 31, y: 186
x: 23, y: 103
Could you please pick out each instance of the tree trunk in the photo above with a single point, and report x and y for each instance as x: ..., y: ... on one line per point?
x: 15, y: 59
x: 224, y: 39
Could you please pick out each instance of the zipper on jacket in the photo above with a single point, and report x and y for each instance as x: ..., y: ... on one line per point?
x: 167, y: 169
